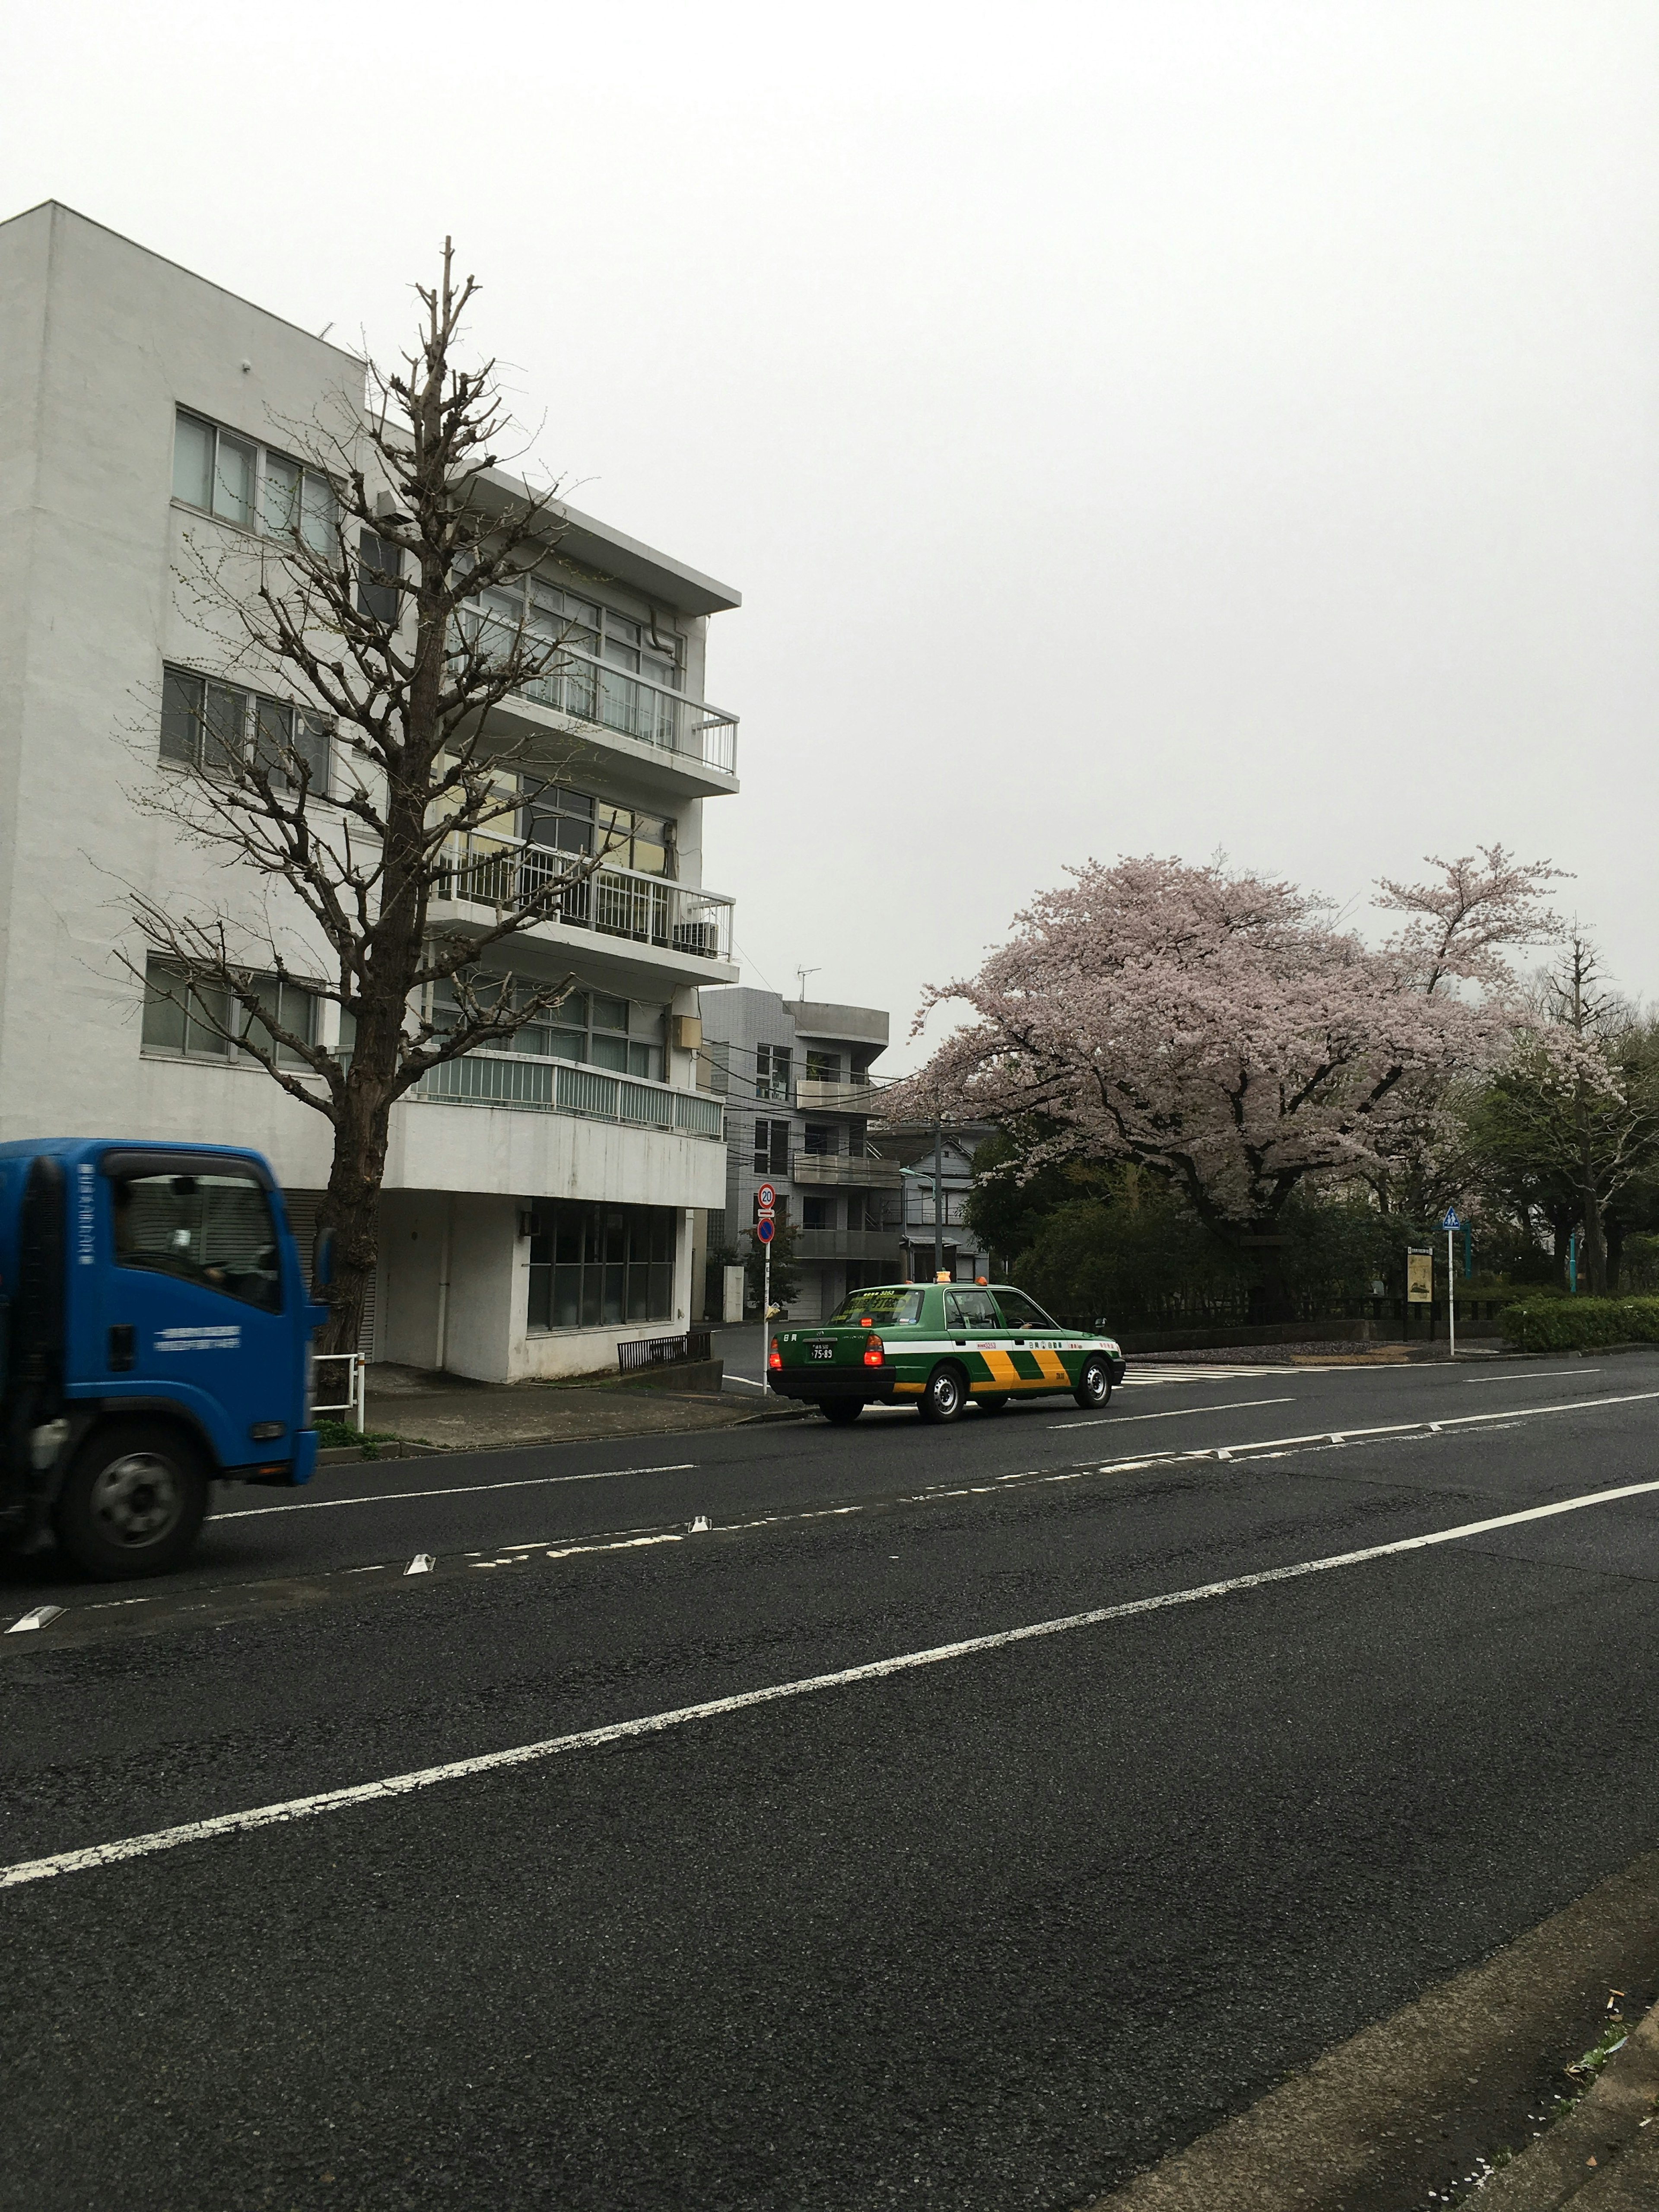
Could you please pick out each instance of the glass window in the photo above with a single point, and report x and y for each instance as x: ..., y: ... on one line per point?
x: 319, y: 520
x: 1021, y: 1312
x: 183, y: 698
x: 823, y: 1067
x: 225, y: 727
x: 312, y: 733
x: 591, y: 1264
x: 273, y: 739
x: 281, y: 496
x: 290, y: 1006
x: 180, y: 1017
x: 610, y: 1013
x: 772, y: 1071
x: 192, y: 460
x: 379, y: 564
x: 772, y: 1148
x: 971, y: 1309
x: 233, y: 481
x: 819, y: 1139
x: 213, y: 1227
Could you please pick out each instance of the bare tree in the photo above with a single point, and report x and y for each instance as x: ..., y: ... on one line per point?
x: 372, y: 621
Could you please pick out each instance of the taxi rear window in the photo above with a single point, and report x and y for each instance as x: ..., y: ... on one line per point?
x: 885, y: 1308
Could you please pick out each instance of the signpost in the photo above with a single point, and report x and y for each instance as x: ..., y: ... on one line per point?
x: 1451, y: 1223
x: 766, y: 1228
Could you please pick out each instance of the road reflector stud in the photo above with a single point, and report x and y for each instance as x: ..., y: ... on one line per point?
x: 422, y: 1563
x: 701, y: 1526
x: 37, y: 1619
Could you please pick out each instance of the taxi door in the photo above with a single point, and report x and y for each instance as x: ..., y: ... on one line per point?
x: 979, y: 1332
x: 1034, y: 1340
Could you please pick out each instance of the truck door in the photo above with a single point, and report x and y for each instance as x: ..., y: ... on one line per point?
x: 193, y: 1299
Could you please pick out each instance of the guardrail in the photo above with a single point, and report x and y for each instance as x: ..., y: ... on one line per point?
x: 814, y: 1097
x: 559, y: 1086
x: 356, y: 1385
x: 602, y: 697
x: 857, y: 1169
x: 665, y: 1351
x: 877, y: 1247
x: 611, y: 902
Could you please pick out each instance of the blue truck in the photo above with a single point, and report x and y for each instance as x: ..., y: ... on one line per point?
x: 156, y: 1335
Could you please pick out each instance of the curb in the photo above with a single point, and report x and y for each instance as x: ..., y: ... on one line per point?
x: 1586, y: 2156
x: 1370, y: 2120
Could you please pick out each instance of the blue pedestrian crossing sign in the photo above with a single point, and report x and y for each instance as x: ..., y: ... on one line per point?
x: 1450, y: 1220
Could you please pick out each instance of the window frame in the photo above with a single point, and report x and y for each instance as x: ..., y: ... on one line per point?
x: 323, y: 539
x: 322, y: 728
x: 219, y: 1051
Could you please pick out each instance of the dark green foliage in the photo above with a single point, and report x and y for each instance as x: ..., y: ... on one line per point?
x: 1557, y: 1324
x: 785, y: 1280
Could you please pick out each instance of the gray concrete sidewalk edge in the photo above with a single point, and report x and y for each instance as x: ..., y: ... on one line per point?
x: 1576, y: 2156
x: 1360, y: 2111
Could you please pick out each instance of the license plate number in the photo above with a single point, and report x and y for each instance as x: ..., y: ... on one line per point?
x: 823, y: 1351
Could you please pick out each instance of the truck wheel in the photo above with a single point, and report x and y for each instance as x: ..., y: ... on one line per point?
x: 843, y: 1411
x: 944, y: 1398
x: 1094, y: 1385
x: 133, y: 1500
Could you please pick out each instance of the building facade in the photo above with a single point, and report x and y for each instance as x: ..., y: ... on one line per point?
x: 796, y: 1079
x: 538, y: 1202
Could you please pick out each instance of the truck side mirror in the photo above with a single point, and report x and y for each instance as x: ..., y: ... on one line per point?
x: 322, y: 1264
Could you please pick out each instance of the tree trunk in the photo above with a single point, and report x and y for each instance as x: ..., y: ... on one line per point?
x: 350, y: 1209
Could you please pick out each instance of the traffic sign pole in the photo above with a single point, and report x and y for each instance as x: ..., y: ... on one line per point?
x: 1450, y: 1223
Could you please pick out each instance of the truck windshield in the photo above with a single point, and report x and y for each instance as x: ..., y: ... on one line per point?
x: 213, y: 1228
x: 886, y: 1309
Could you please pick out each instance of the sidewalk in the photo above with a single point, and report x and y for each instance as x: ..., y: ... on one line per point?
x: 446, y: 1413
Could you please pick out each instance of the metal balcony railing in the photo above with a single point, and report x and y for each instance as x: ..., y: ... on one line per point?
x: 844, y: 1168
x: 556, y: 1086
x: 594, y: 693
x: 611, y: 902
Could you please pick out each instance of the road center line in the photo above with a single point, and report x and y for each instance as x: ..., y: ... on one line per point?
x: 459, y: 1490
x: 1172, y: 1412
x: 526, y: 1754
x: 1549, y: 1375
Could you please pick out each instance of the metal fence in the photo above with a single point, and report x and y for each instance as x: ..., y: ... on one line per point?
x: 555, y: 1087
x: 356, y: 1382
x: 665, y: 1351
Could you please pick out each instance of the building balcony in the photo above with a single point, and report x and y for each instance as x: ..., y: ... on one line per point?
x: 692, y: 743
x: 812, y: 1096
x: 668, y: 923
x: 527, y: 1085
x: 840, y: 1170
x: 874, y: 1247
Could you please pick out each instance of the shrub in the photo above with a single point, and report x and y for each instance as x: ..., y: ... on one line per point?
x: 1557, y: 1324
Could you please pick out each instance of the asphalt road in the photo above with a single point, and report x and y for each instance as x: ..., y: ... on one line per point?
x: 989, y: 1929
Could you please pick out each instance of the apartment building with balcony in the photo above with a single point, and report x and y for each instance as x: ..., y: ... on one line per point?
x: 796, y: 1077
x: 538, y: 1202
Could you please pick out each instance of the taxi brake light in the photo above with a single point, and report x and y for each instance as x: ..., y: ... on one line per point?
x: 874, y: 1351
x: 864, y: 1321
x: 774, y: 1357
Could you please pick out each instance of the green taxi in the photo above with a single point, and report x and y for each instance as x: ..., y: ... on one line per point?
x: 936, y: 1346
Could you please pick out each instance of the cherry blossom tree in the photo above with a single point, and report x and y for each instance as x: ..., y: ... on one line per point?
x: 1217, y: 1027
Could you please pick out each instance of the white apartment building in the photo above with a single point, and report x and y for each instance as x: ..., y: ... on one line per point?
x: 538, y: 1202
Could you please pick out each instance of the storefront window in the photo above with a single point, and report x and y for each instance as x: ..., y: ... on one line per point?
x: 594, y: 1265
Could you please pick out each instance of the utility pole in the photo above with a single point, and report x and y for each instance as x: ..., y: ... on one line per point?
x: 939, y: 1199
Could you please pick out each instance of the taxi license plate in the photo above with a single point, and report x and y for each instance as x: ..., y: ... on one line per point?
x: 823, y: 1351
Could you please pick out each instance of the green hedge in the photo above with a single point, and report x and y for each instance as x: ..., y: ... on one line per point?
x: 1559, y: 1324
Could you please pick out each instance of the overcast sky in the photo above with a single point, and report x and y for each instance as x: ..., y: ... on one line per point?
x: 1142, y: 428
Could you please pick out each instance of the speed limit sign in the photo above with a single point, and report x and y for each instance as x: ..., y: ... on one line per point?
x: 766, y: 1196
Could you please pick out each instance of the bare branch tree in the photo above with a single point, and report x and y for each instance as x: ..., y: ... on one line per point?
x: 366, y: 600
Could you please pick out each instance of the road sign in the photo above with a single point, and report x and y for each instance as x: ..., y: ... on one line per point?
x: 765, y: 1229
x: 1419, y: 1276
x: 766, y: 1196
x: 1450, y: 1219
x: 763, y: 1213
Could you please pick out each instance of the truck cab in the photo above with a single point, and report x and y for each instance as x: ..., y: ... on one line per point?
x: 156, y: 1337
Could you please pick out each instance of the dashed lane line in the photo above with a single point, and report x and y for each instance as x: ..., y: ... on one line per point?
x: 457, y: 1489
x: 526, y: 1754
x: 1171, y: 1414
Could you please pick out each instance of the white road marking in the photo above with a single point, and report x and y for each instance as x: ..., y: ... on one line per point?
x: 458, y: 1490
x: 1548, y: 1375
x: 526, y: 1754
x: 36, y: 1618
x: 745, y: 1382
x: 1171, y: 1413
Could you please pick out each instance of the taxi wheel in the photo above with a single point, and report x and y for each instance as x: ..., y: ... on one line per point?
x: 843, y: 1411
x: 945, y: 1396
x: 992, y: 1405
x: 1094, y: 1385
